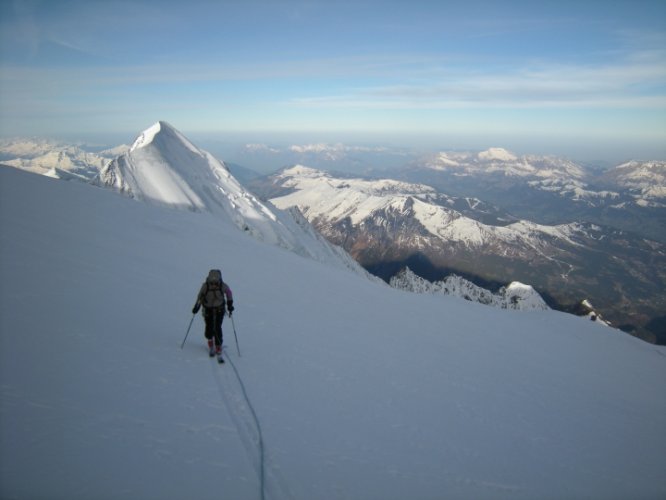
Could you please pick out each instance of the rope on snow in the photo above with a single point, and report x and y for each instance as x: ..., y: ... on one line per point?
x: 262, y: 461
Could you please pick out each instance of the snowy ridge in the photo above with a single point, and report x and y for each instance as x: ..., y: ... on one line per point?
x: 163, y: 167
x: 320, y: 194
x: 499, y: 154
x: 517, y: 296
x: 323, y: 197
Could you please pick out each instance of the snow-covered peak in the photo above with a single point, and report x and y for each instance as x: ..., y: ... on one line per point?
x: 302, y: 171
x: 499, y: 161
x: 500, y: 154
x: 164, y: 167
x: 521, y: 296
x: 162, y: 134
x: 147, y: 136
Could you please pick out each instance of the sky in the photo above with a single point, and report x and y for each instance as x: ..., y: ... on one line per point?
x: 577, y: 78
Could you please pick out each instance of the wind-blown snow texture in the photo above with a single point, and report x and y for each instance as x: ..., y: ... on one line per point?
x: 362, y: 391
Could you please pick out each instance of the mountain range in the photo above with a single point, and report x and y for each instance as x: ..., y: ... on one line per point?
x: 539, y: 220
x: 56, y: 159
x: 550, y: 190
x: 388, y: 224
x: 336, y: 385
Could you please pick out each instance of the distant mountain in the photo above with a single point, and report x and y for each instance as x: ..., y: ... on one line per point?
x: 28, y: 147
x: 551, y: 190
x: 387, y: 225
x: 54, y: 159
x: 335, y: 157
x: 546, y: 173
x: 646, y: 180
x: 163, y: 167
x: 505, y: 163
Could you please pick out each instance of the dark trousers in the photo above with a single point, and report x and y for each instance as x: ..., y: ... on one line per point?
x: 213, y: 318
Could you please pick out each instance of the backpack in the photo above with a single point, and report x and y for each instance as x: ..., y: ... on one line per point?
x: 212, y: 293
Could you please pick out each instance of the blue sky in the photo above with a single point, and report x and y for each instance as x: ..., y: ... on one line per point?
x: 577, y: 78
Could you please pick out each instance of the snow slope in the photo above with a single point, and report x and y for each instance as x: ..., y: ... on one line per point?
x: 361, y: 391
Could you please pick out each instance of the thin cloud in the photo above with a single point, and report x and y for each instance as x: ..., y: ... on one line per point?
x: 631, y: 84
x: 392, y: 83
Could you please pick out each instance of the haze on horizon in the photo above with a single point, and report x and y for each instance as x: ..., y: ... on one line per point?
x: 586, y: 80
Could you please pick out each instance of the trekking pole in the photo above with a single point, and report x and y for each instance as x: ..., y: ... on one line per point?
x: 188, y: 331
x: 236, y: 336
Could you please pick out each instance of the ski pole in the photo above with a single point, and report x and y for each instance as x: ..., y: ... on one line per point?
x: 188, y: 331
x: 236, y: 336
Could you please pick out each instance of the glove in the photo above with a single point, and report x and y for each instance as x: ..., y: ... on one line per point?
x: 195, y: 309
x: 230, y: 307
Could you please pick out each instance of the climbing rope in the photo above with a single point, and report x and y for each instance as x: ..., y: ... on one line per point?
x: 262, y: 466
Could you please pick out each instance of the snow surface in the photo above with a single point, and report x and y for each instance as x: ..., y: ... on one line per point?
x: 362, y: 391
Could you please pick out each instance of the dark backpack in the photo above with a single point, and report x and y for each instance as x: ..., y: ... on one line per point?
x: 213, y: 291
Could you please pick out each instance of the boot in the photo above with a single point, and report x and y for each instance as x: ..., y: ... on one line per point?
x: 211, y: 348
